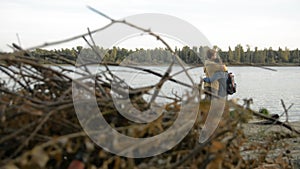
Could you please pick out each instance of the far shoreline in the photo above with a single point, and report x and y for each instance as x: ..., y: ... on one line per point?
x: 191, y: 65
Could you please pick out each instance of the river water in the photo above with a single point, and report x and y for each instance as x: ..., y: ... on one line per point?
x: 265, y: 87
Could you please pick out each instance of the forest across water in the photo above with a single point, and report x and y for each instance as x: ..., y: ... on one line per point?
x: 192, y: 56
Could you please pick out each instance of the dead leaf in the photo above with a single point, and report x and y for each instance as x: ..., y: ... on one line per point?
x: 216, y: 146
x: 39, y: 156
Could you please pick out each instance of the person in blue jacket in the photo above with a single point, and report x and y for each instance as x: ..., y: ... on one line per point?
x: 221, y: 77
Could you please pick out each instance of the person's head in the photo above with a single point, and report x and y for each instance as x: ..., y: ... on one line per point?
x: 211, y: 54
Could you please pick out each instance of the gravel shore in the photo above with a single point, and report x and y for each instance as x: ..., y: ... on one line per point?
x: 278, y: 139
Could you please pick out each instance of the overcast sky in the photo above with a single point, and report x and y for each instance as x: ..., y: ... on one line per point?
x: 268, y: 23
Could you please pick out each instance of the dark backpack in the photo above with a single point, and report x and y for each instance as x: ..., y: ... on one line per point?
x: 230, y: 83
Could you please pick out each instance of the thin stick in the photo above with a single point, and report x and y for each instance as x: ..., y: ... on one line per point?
x: 270, y: 119
x: 43, y: 121
x: 150, y: 33
x: 19, y: 40
x: 14, y: 134
x: 160, y: 84
x: 286, y: 110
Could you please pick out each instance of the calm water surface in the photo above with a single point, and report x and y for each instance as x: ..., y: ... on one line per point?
x: 265, y: 87
x: 268, y: 87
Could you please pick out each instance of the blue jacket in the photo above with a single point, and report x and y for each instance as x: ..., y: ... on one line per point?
x: 221, y: 77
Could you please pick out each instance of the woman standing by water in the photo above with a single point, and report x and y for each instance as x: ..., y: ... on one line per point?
x: 214, y: 83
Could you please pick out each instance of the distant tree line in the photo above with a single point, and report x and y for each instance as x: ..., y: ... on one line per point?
x: 258, y: 56
x: 194, y: 55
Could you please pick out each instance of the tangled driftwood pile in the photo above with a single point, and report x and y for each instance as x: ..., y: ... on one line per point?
x: 39, y: 127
